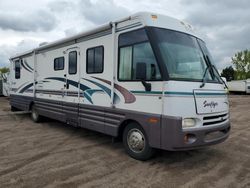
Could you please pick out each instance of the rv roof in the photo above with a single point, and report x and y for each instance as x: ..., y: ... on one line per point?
x: 146, y: 19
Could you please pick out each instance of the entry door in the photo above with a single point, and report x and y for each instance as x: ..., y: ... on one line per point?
x: 71, y: 86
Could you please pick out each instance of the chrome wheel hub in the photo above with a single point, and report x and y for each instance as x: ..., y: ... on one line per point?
x: 136, y: 140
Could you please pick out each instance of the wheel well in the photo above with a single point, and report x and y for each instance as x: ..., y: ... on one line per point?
x: 31, y: 104
x: 123, y: 125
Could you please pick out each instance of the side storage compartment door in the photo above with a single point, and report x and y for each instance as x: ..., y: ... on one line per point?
x: 49, y: 79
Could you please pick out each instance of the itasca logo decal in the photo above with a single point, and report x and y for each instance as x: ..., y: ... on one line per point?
x: 211, y: 104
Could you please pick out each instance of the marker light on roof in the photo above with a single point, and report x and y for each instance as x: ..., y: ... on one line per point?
x: 154, y: 17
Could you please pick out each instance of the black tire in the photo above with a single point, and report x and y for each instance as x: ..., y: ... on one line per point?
x: 14, y: 109
x: 34, y: 114
x: 134, y: 147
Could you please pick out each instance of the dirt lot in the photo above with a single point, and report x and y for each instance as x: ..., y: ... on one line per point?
x: 51, y: 154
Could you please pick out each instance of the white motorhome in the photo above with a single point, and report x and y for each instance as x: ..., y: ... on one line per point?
x: 239, y: 86
x: 147, y: 78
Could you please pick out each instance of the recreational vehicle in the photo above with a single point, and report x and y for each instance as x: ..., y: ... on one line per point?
x: 147, y: 78
x: 6, y: 85
x: 240, y: 86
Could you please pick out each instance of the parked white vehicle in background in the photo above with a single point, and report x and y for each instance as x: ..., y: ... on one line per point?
x: 242, y: 86
x: 147, y: 78
x: 5, y: 85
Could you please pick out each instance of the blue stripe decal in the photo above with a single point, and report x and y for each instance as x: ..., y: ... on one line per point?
x: 25, y: 67
x: 177, y: 93
x: 70, y: 82
x: 56, y: 78
x: 88, y: 94
x: 211, y: 94
x: 105, y: 89
x: 25, y: 62
x: 87, y: 97
x: 25, y: 88
x: 92, y: 91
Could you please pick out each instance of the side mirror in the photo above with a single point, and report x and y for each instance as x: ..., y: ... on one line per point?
x: 141, y: 71
x: 141, y: 74
x: 224, y: 79
x: 153, y: 71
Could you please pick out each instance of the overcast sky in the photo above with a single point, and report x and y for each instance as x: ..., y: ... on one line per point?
x: 224, y: 25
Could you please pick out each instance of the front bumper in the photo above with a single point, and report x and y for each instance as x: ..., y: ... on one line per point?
x: 173, y: 137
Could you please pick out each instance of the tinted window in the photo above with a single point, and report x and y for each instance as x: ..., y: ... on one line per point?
x: 90, y: 60
x: 72, y: 62
x: 133, y: 37
x: 17, y: 69
x: 59, y: 63
x: 132, y: 54
x: 95, y: 58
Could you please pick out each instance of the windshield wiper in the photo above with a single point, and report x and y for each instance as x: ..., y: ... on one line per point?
x: 204, y: 78
x: 214, y: 69
x: 222, y: 81
x: 208, y: 67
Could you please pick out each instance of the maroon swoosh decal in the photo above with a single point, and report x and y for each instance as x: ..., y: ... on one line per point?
x: 128, y: 96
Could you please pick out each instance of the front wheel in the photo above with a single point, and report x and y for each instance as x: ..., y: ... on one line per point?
x: 136, y: 143
x: 34, y: 114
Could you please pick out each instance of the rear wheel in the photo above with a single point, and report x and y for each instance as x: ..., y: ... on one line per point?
x: 34, y: 114
x: 136, y: 143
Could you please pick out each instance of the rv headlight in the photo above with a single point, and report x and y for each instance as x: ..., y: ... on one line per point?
x: 188, y: 122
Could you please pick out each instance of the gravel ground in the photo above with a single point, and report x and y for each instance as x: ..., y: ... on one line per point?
x: 51, y: 154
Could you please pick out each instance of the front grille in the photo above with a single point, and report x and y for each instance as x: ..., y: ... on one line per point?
x: 216, y: 119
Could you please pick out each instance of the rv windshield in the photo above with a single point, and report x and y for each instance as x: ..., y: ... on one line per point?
x: 182, y: 55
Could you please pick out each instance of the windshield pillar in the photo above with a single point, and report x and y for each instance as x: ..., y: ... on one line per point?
x: 152, y: 40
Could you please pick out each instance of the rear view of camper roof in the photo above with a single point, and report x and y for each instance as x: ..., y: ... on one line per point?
x: 145, y: 18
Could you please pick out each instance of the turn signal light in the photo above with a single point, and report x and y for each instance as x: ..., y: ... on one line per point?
x: 154, y: 17
x: 153, y: 120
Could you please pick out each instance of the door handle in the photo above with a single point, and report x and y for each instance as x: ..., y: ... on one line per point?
x: 66, y: 86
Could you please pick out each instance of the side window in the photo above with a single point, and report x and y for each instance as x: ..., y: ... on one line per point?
x: 95, y: 58
x: 59, y: 63
x: 72, y: 62
x: 134, y: 48
x: 17, y: 69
